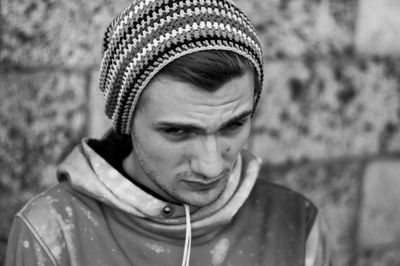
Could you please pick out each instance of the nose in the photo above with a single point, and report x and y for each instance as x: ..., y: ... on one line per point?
x: 207, y: 158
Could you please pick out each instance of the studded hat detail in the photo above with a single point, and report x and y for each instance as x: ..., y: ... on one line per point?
x: 149, y: 34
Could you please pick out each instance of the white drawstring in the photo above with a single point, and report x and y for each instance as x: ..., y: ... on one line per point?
x: 188, y: 238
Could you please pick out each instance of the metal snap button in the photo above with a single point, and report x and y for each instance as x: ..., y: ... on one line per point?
x: 167, y: 211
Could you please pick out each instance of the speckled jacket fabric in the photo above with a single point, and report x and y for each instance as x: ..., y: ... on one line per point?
x: 97, y: 216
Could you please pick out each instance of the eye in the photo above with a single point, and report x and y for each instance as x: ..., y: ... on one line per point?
x: 235, y: 126
x: 174, y: 131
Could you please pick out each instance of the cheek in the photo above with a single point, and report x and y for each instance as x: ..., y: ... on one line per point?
x: 233, y: 146
x: 159, y: 151
x: 153, y: 148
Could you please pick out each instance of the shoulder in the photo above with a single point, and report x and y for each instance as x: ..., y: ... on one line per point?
x: 56, y: 205
x: 279, y: 191
x: 51, y: 204
x: 56, y: 216
x: 285, y: 201
x: 47, y: 213
x: 44, y: 217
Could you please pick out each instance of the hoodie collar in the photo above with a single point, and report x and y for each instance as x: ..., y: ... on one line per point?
x: 91, y: 174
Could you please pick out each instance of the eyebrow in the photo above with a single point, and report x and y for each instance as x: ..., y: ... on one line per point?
x: 194, y: 127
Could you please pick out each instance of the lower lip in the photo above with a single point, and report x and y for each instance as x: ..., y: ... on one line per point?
x: 202, y: 186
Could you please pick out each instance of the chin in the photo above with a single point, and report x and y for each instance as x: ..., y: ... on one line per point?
x: 199, y: 203
x: 201, y: 199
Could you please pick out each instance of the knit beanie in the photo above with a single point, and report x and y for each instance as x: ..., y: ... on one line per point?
x: 149, y: 34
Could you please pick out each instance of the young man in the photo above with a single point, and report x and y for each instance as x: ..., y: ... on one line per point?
x: 171, y: 184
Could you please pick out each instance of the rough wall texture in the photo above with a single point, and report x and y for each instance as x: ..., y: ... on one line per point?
x: 327, y: 125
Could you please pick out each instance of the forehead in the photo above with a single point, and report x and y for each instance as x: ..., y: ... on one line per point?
x: 166, y: 97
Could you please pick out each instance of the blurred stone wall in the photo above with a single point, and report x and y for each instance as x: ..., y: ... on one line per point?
x: 327, y: 124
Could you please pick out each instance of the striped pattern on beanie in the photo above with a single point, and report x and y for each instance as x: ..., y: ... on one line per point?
x: 149, y: 34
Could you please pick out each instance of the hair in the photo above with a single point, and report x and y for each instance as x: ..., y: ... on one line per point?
x: 210, y: 69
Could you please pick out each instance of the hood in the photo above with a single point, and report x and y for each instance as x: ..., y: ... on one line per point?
x: 91, y: 174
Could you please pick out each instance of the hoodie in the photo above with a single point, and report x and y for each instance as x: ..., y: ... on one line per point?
x: 96, y: 215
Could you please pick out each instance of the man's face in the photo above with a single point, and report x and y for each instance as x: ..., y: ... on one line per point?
x: 187, y: 140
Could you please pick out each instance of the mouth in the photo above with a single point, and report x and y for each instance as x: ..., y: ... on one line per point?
x: 202, y: 185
